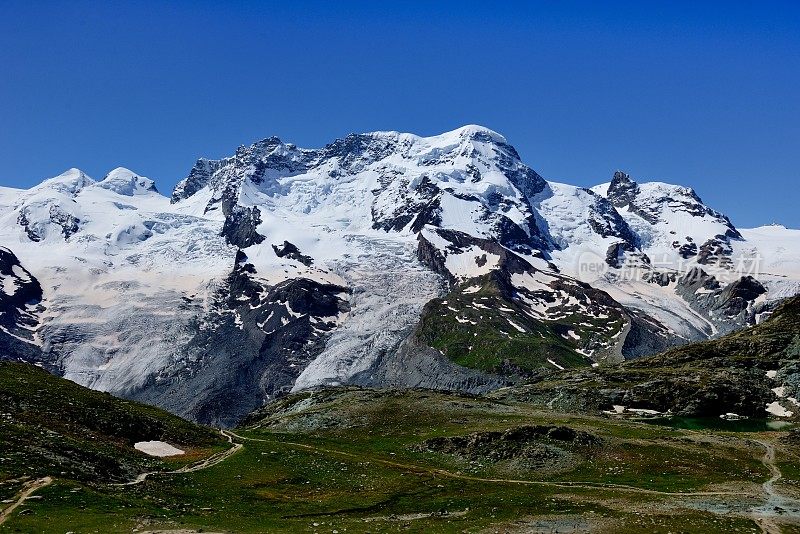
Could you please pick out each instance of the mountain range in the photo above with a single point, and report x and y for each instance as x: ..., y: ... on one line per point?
x: 383, y: 259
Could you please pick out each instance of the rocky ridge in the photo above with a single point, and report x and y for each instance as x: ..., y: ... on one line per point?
x: 381, y: 259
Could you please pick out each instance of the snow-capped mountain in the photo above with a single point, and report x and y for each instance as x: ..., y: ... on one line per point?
x: 383, y: 259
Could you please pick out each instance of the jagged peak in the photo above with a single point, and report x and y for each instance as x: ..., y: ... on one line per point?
x: 622, y: 181
x: 262, y: 146
x: 621, y: 177
x: 472, y: 145
x: 623, y: 184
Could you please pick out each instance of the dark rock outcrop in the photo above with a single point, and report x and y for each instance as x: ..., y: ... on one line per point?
x: 289, y: 250
x: 536, y: 446
x: 240, y: 226
x: 728, y: 307
x: 20, y: 307
x: 704, y: 379
x: 255, y: 342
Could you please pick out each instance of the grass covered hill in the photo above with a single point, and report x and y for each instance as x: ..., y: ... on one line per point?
x: 710, y: 378
x: 51, y: 426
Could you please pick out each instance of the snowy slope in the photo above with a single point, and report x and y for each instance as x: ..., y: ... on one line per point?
x: 672, y: 225
x: 114, y: 260
x: 282, y: 268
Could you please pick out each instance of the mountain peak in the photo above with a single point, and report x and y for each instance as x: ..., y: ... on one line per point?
x: 119, y: 173
x: 622, y: 189
x: 621, y: 177
x: 69, y: 182
x: 471, y: 132
x: 126, y: 182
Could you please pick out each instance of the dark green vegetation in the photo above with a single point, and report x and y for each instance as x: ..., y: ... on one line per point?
x: 479, y: 325
x: 717, y: 423
x: 355, y: 460
x: 51, y: 426
x: 533, y: 458
x: 704, y: 379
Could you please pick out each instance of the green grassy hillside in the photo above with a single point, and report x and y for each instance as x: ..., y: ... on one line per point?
x: 51, y: 426
x: 709, y: 378
x: 356, y: 460
x: 481, y: 325
x: 353, y: 460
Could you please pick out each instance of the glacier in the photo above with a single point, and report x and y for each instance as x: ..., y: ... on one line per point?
x: 281, y: 268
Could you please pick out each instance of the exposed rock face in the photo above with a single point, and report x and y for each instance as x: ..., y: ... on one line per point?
x: 622, y: 191
x: 654, y: 204
x: 715, y: 251
x: 416, y: 365
x: 388, y: 292
x: 645, y: 336
x: 704, y: 393
x: 68, y: 224
x: 615, y: 254
x: 508, y: 321
x: 730, y: 307
x: 256, y: 342
x: 606, y: 222
x: 382, y: 258
x: 537, y: 446
x: 289, y: 250
x: 198, y: 178
x: 736, y: 296
x: 457, y: 243
x: 239, y: 228
x: 687, y: 250
x: 735, y: 373
x: 419, y: 206
x: 20, y: 307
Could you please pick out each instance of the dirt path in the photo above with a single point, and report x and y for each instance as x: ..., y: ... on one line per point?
x: 776, y: 504
x: 25, y: 495
x: 459, y: 476
x: 211, y: 461
x: 764, y: 516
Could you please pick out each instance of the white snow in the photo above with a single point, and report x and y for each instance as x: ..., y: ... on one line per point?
x: 573, y: 335
x: 9, y: 285
x: 776, y: 247
x: 554, y: 364
x: 776, y: 409
x: 121, y: 283
x: 389, y: 289
x: 471, y: 263
x: 157, y: 448
x: 730, y: 416
x: 515, y: 325
x: 567, y: 209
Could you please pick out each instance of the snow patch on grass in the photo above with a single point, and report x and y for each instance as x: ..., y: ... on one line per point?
x: 157, y: 448
x: 777, y: 410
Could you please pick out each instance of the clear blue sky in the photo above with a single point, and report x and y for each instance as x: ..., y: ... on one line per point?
x: 702, y: 94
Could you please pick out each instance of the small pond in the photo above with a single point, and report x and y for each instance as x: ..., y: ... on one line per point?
x: 715, y: 423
